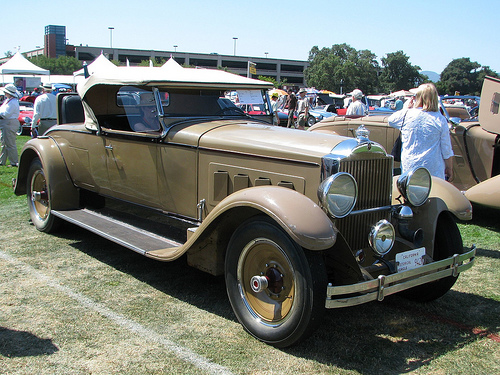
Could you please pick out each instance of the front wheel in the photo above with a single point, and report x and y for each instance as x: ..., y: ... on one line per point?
x: 277, y: 289
x: 38, y: 193
x: 448, y: 242
x: 311, y: 120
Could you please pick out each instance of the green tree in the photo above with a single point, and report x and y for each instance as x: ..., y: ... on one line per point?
x: 8, y: 54
x: 398, y: 73
x: 63, y: 65
x: 276, y: 83
x: 464, y: 76
x: 156, y: 62
x: 342, y: 66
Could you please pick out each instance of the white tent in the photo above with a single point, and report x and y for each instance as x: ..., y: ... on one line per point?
x: 100, y: 63
x: 18, y: 64
x: 401, y: 93
x: 171, y: 64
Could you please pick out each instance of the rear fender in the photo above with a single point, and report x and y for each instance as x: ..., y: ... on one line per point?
x: 63, y: 193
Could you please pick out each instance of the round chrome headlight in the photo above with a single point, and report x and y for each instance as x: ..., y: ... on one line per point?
x: 338, y: 194
x: 415, y: 185
x: 381, y: 237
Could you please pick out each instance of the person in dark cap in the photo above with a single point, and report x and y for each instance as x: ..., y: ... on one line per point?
x: 291, y: 104
x: 9, y: 124
x: 45, y: 110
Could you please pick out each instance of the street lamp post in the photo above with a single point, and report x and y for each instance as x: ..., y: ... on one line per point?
x: 266, y: 53
x: 175, y: 48
x: 235, y: 39
x: 111, y: 36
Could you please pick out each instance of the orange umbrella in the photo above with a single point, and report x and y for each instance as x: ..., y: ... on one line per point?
x: 279, y: 91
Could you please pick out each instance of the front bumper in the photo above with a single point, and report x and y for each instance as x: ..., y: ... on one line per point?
x: 377, y: 289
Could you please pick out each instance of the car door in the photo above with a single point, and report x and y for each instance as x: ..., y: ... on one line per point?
x: 132, y: 164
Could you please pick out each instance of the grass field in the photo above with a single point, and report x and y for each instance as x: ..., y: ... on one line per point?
x: 74, y: 303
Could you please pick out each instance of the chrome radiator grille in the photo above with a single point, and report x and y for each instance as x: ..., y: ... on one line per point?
x: 374, y: 178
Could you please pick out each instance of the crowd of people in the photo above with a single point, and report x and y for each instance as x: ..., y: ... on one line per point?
x: 424, y: 130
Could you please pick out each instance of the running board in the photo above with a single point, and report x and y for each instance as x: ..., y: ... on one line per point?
x: 124, y: 234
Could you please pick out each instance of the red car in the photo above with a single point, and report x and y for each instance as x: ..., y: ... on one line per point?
x: 25, y: 117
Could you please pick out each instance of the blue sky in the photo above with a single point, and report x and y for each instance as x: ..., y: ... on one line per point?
x: 430, y: 33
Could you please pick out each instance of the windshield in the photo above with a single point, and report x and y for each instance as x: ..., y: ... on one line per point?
x: 186, y: 102
x: 143, y: 107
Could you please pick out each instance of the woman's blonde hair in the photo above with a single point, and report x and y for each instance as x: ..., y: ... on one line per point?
x: 427, y: 98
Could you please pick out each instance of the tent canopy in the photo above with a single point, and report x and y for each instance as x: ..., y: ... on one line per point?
x: 401, y: 93
x: 18, y: 64
x: 100, y: 63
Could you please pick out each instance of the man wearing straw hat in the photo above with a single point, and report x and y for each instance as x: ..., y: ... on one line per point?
x: 44, y: 110
x: 9, y: 124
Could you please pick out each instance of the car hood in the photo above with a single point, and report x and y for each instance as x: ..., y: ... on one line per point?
x: 489, y: 108
x: 258, y: 139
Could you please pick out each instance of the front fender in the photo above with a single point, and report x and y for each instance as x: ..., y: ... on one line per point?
x: 455, y: 201
x: 63, y: 193
x: 303, y: 220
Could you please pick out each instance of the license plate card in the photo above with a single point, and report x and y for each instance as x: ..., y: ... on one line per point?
x: 410, y: 259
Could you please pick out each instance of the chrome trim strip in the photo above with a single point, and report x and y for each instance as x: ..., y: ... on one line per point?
x: 378, y: 289
x: 369, y: 210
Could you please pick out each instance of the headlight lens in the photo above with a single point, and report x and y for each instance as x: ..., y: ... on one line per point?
x: 381, y: 237
x: 338, y: 194
x: 415, y: 186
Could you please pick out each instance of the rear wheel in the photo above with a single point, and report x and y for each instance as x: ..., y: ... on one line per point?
x: 39, y: 197
x: 277, y: 289
x: 448, y: 242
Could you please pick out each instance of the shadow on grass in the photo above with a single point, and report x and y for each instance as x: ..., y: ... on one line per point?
x: 391, y: 337
x: 495, y: 254
x: 485, y: 217
x: 24, y: 344
x: 399, y: 336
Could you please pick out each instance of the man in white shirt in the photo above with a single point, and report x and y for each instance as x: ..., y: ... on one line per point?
x: 9, y: 124
x: 302, y: 108
x: 44, y: 110
x: 274, y: 108
x: 357, y: 107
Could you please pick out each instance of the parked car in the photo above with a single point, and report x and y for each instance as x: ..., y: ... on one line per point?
x: 316, y: 114
x: 463, y: 107
x: 476, y: 144
x: 298, y: 222
x: 253, y: 109
x: 25, y: 117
